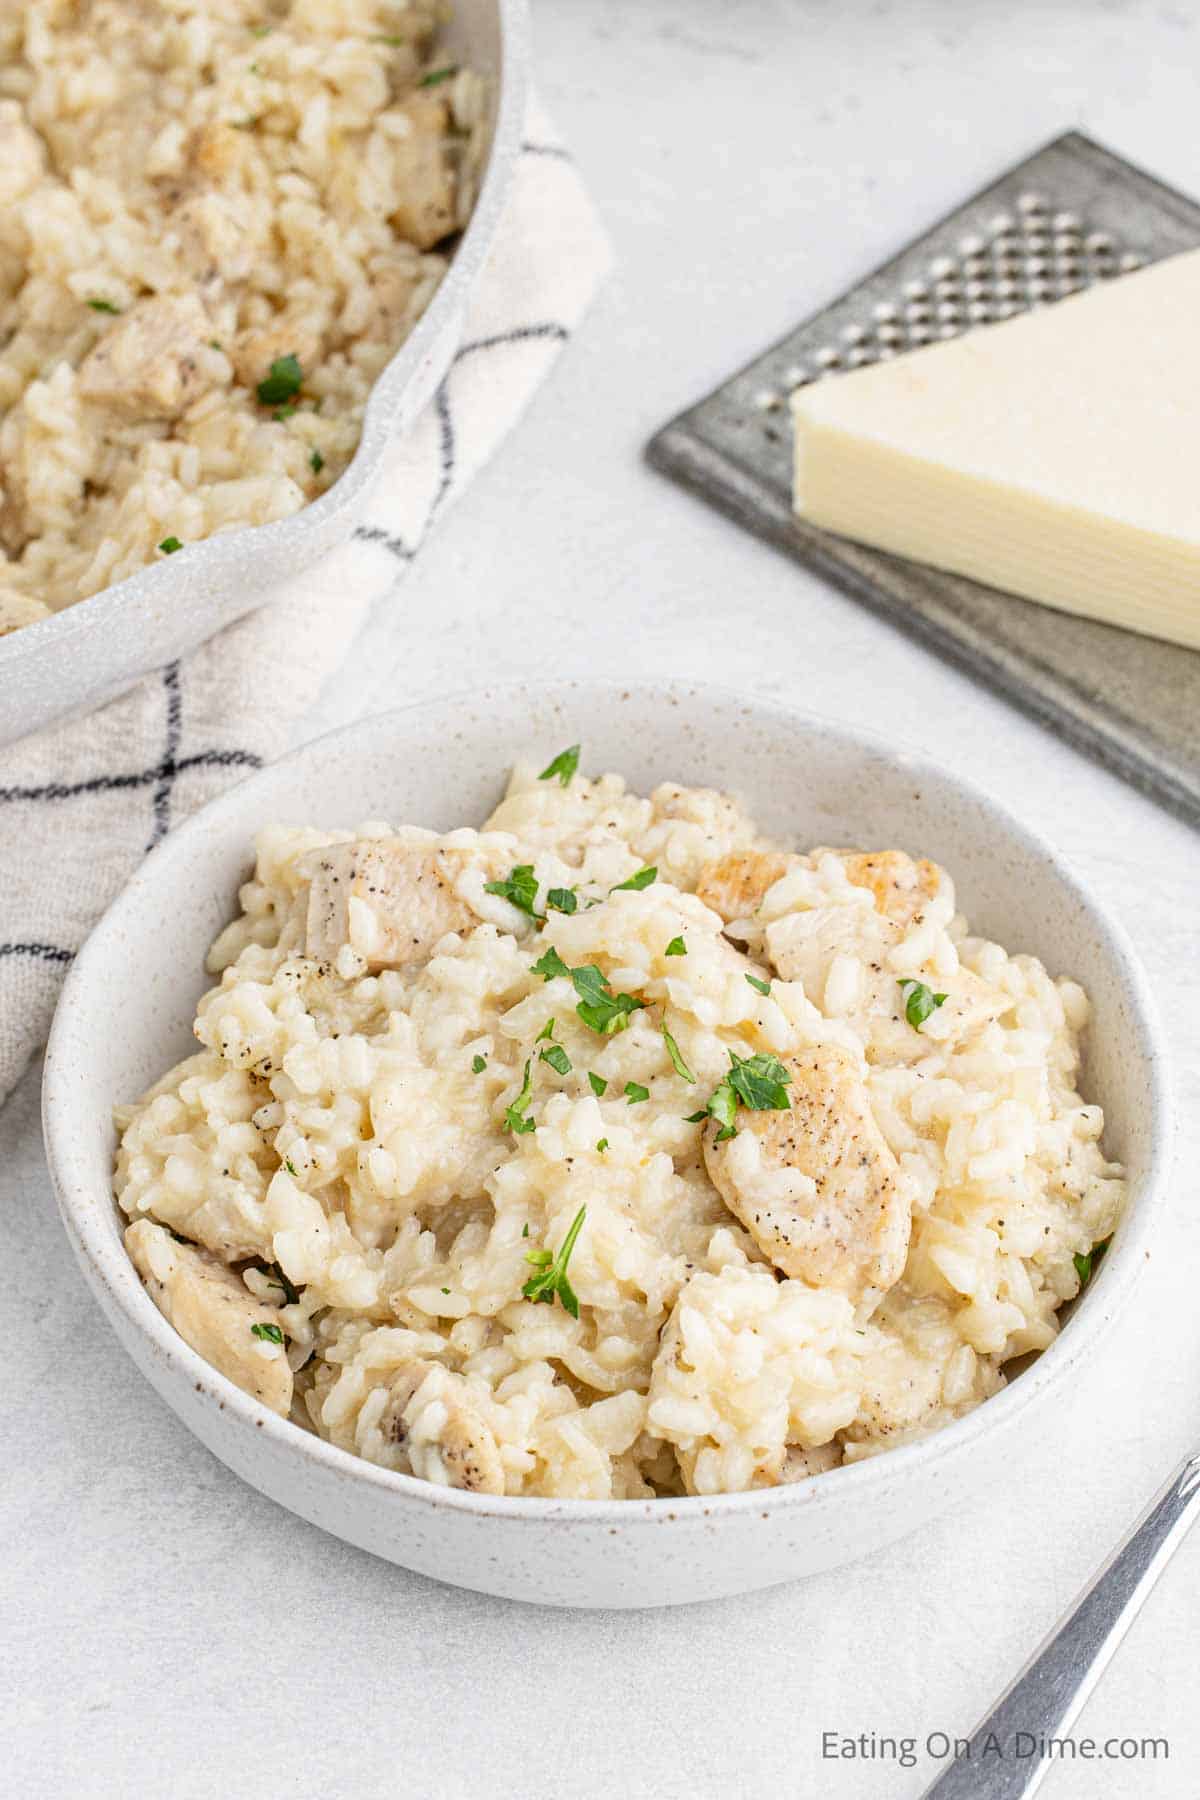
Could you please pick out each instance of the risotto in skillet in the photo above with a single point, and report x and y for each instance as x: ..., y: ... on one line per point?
x: 609, y: 1150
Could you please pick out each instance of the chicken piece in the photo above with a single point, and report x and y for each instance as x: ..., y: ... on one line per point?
x: 212, y: 1310
x: 734, y: 885
x: 156, y: 360
x: 424, y: 182
x: 389, y: 900
x: 255, y: 351
x: 801, y: 1465
x: 22, y: 158
x: 817, y: 1187
x: 430, y: 1417
x: 901, y: 887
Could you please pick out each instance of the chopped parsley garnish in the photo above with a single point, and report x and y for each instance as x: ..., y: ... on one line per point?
x: 757, y: 1082
x: 551, y: 1278
x: 563, y: 900
x: 642, y: 879
x: 514, y: 1115
x: 478, y: 1064
x: 170, y: 545
x: 599, y: 1007
x: 289, y: 1165
x: 564, y: 766
x: 291, y: 1294
x: 676, y: 947
x: 525, y: 1229
x: 316, y: 461
x: 635, y: 1092
x: 445, y: 1290
x: 597, y: 1083
x: 519, y: 889
x: 282, y: 382
x: 764, y: 987
x: 436, y: 76
x: 681, y: 1067
x: 285, y: 412
x: 556, y: 1056
x: 919, y: 1002
x: 1085, y: 1265
x: 550, y: 965
x: 602, y: 1145
x: 546, y: 1034
x: 271, y: 1333
x: 104, y: 306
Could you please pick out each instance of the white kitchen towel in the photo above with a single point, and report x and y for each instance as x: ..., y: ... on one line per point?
x: 81, y: 803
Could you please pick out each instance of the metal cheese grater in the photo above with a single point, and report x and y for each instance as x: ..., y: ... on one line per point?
x: 1071, y: 216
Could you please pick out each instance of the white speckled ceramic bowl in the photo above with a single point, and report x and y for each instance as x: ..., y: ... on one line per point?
x: 126, y: 1012
x: 79, y: 658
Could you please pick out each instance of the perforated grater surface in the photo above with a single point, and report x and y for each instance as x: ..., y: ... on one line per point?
x: 1069, y: 217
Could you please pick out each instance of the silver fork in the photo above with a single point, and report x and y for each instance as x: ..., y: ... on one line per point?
x: 1051, y: 1690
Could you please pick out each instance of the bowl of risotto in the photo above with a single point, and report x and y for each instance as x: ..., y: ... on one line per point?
x: 613, y: 1145
x: 238, y: 243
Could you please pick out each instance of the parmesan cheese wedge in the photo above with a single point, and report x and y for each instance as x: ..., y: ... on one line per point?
x: 1056, y: 455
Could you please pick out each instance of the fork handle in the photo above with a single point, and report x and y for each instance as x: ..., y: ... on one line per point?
x: 1048, y: 1694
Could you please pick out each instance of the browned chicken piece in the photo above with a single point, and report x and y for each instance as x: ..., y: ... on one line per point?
x: 901, y: 887
x: 389, y: 900
x: 734, y: 885
x: 155, y: 360
x: 213, y: 1310
x: 21, y: 157
x: 430, y: 1418
x: 852, y: 1234
x: 424, y: 173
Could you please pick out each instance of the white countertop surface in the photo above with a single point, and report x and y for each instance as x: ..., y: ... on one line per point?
x: 166, y: 1630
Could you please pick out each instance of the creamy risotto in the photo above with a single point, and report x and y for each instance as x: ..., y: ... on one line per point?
x: 609, y: 1150
x: 218, y: 221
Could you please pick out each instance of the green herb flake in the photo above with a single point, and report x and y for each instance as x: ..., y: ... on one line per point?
x: 763, y: 987
x: 478, y: 1065
x: 635, y: 1093
x: 564, y: 766
x: 563, y: 900
x: 757, y: 1082
x: 435, y: 77
x: 919, y: 1002
x: 602, y: 1145
x: 550, y: 965
x: 556, y: 1056
x: 525, y: 1229
x: 1085, y: 1266
x: 681, y: 1067
x: 597, y: 1084
x: 291, y: 1294
x: 551, y: 1278
x: 676, y: 947
x: 104, y: 306
x: 599, y: 1008
x: 316, y: 461
x: 514, y: 1115
x: 270, y: 1333
x: 546, y: 1034
x: 170, y: 545
x: 519, y: 888
x: 284, y: 412
x: 289, y: 1165
x: 643, y: 879
x: 282, y: 382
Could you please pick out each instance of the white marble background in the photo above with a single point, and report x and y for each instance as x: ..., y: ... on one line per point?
x: 166, y: 1630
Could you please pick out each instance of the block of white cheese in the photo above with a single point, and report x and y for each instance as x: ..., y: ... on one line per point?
x: 1056, y: 454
